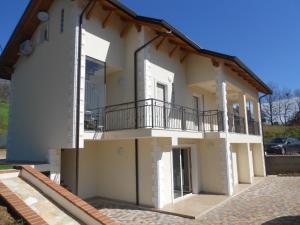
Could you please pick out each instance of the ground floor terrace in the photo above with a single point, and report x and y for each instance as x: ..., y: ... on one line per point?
x: 272, y: 201
x: 156, y: 172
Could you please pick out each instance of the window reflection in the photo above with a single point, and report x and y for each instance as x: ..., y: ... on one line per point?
x: 94, y: 93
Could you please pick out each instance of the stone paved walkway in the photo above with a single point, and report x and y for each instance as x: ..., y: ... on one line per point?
x: 274, y: 201
x: 38, y: 202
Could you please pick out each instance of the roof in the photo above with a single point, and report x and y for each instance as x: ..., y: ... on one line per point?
x: 29, y: 22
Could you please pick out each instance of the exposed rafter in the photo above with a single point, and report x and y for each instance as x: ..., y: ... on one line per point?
x: 105, y: 21
x: 215, y: 63
x: 173, y: 51
x: 90, y: 10
x: 136, y: 24
x: 125, y: 30
x: 186, y: 54
x: 161, y: 42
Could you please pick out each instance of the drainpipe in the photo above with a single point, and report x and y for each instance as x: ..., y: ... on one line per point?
x: 136, y: 110
x: 137, y: 187
x: 136, y: 71
x: 78, y: 92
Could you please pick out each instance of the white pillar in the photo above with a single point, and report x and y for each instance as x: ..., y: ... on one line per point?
x: 222, y: 98
x: 54, y: 158
x: 259, y: 160
x: 245, y: 163
x: 226, y: 162
x: 258, y: 118
x: 243, y: 110
x: 161, y: 175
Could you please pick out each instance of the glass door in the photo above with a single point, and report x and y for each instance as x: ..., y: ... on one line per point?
x: 160, y: 116
x: 182, y: 184
x: 95, y: 99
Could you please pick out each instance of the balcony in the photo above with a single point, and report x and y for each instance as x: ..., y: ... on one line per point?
x: 236, y: 124
x: 253, y: 127
x: 153, y: 113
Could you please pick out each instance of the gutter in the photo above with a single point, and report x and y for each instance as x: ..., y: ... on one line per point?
x: 136, y: 109
x: 78, y: 93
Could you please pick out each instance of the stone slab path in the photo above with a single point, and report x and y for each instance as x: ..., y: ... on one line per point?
x: 273, y: 201
x: 38, y: 202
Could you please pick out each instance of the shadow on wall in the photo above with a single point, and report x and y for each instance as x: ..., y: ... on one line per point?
x: 285, y: 220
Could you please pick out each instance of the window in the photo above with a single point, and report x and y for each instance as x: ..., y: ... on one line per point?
x: 62, y: 20
x: 94, y: 84
x: 250, y: 113
x: 160, y: 92
x: 195, y: 102
x: 173, y: 94
x: 236, y: 109
x: 94, y: 93
x: 43, y: 34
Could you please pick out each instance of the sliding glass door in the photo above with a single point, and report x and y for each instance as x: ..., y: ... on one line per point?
x: 182, y: 182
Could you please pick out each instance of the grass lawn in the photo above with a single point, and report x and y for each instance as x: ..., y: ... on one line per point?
x: 3, y: 117
x: 5, y: 167
x: 281, y: 131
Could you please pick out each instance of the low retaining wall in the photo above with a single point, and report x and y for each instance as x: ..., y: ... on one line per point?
x: 70, y: 202
x: 282, y: 164
x: 19, y: 207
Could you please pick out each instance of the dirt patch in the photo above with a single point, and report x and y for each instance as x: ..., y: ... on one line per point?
x: 6, y: 218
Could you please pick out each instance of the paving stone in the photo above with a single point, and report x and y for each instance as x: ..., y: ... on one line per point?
x: 274, y: 201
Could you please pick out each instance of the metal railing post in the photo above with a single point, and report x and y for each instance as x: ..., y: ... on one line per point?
x: 152, y: 113
x: 203, y: 121
x: 198, y: 120
x: 182, y: 118
x: 164, y: 114
x: 218, y: 121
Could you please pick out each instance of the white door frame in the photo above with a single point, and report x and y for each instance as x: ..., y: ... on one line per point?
x: 194, y: 171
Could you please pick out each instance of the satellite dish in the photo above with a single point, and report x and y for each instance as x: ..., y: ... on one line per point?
x: 43, y: 16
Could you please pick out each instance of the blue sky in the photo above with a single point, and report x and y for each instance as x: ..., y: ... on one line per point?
x: 263, y: 34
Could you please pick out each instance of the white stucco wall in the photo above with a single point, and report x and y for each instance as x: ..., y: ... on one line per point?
x: 107, y: 169
x: 167, y: 71
x: 41, y: 106
x: 213, y: 162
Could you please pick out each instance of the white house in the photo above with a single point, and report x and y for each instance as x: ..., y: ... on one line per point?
x: 174, y: 120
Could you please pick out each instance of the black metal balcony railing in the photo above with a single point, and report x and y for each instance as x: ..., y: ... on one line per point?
x: 152, y: 113
x: 236, y: 124
x: 253, y: 127
x: 213, y: 120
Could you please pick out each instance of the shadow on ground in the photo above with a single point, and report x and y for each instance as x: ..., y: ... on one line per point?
x: 285, y: 220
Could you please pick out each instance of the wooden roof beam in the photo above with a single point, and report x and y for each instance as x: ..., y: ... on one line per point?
x: 107, y: 8
x: 90, y: 10
x: 105, y: 21
x: 184, y: 46
x: 162, y: 40
x: 129, y: 20
x: 171, y: 53
x: 183, y: 58
x: 125, y: 30
x: 215, y: 62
